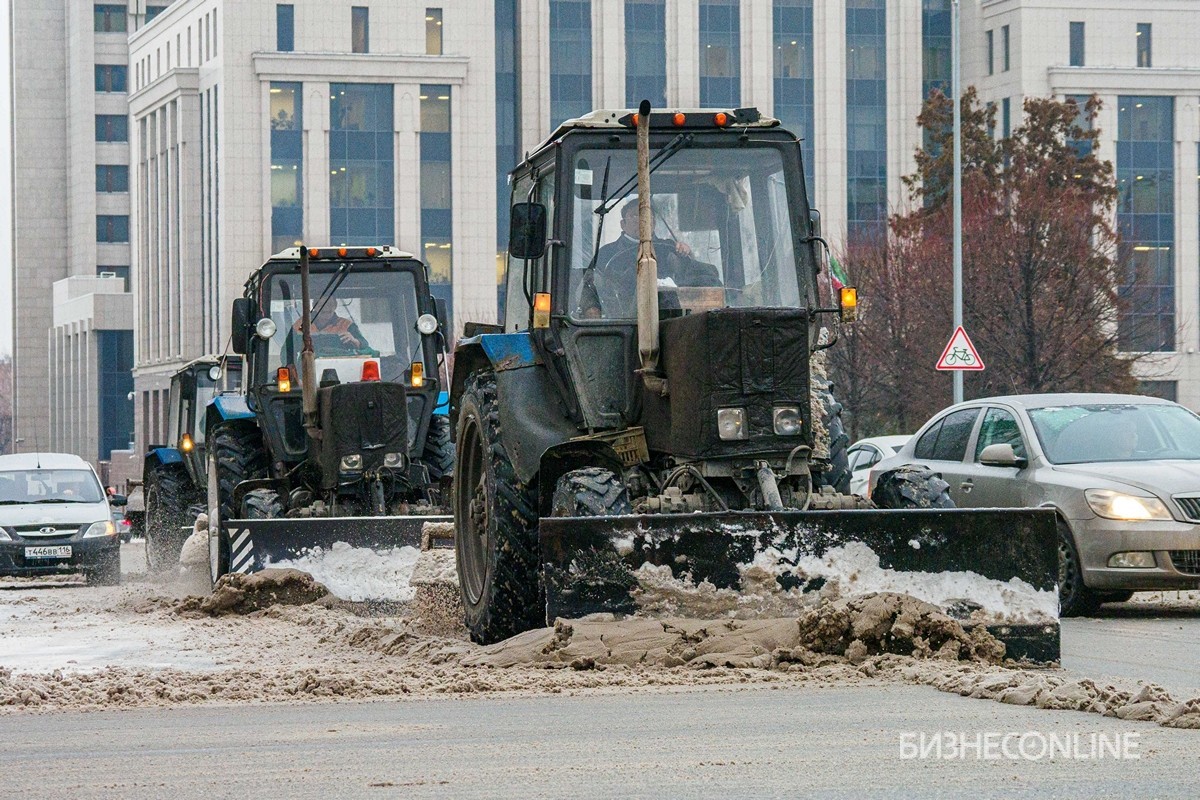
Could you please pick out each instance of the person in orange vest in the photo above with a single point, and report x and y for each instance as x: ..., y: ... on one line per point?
x: 328, y: 321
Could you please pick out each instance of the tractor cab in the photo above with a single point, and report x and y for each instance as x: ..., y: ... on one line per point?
x: 192, y: 389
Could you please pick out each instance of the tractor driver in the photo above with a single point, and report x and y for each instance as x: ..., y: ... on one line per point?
x: 328, y: 321
x: 610, y: 288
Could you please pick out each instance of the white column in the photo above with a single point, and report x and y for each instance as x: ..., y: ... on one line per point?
x: 905, y: 71
x: 1187, y: 236
x: 316, y: 163
x: 608, y: 53
x: 829, y: 117
x: 758, y: 54
x: 408, y: 168
x: 683, y: 53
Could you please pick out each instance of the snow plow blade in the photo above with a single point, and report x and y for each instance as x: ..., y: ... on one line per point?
x: 596, y: 564
x: 256, y: 544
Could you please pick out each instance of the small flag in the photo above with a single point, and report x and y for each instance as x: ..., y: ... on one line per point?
x: 839, y: 275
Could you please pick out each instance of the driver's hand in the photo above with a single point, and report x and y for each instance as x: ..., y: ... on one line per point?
x: 348, y: 338
x: 682, y: 249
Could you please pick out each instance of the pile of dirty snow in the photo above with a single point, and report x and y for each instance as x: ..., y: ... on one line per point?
x: 359, y: 573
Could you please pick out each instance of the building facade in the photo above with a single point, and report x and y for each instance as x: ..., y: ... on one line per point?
x: 253, y: 125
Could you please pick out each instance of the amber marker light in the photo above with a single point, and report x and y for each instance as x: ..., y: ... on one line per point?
x: 283, y: 378
x: 679, y: 119
x: 849, y: 298
x: 314, y: 253
x: 721, y: 119
x: 541, y: 310
x: 417, y: 374
x: 186, y: 444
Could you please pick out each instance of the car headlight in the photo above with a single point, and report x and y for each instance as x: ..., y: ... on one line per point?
x: 731, y: 423
x: 1117, y: 505
x: 104, y: 527
x: 393, y: 460
x: 352, y: 462
x: 787, y: 420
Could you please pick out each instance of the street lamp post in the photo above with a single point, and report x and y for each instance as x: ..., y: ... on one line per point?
x: 956, y: 92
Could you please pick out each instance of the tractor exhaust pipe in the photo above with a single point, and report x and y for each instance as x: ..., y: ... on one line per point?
x: 647, y: 264
x: 308, y: 382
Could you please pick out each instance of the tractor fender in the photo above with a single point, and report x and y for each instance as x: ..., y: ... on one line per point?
x: 560, y: 459
x: 532, y: 419
x: 226, y: 407
x: 161, y: 456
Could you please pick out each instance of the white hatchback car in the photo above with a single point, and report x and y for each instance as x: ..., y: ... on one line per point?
x: 55, y: 518
x: 866, y: 453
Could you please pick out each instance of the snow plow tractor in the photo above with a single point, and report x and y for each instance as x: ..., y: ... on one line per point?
x: 333, y: 436
x: 174, y: 476
x: 650, y: 424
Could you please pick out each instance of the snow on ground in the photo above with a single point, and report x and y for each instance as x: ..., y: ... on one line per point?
x: 359, y: 573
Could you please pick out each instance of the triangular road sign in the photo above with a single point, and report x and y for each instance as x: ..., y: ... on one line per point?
x: 960, y: 353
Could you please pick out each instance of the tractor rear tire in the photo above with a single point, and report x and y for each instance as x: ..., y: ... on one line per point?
x: 495, y: 541
x: 911, y: 487
x: 262, y: 504
x: 168, y: 494
x: 837, y: 475
x: 591, y: 492
x: 235, y: 454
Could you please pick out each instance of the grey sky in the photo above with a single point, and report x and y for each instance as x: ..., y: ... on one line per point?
x: 6, y: 314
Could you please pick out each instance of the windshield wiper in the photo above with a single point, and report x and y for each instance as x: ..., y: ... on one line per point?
x: 53, y: 500
x: 657, y: 160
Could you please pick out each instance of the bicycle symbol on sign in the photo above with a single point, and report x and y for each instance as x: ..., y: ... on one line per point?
x: 960, y: 355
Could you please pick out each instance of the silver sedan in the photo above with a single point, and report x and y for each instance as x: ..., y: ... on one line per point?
x: 1123, y: 472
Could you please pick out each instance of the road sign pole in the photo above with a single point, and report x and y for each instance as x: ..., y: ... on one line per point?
x: 956, y: 91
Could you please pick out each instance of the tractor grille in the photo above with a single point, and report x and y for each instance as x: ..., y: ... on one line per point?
x: 1190, y: 507
x: 1186, y: 561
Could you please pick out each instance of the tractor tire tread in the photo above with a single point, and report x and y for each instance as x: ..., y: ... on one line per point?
x: 238, y: 450
x: 591, y: 492
x: 837, y: 473
x: 438, y: 455
x: 168, y: 493
x: 911, y: 486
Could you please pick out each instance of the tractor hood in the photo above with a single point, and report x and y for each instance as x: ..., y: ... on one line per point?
x: 752, y: 359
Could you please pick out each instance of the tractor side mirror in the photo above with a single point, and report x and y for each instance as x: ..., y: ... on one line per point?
x: 527, y: 231
x: 440, y: 311
x: 243, y: 308
x: 814, y: 222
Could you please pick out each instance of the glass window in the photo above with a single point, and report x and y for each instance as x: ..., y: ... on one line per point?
x: 110, y: 77
x: 570, y: 60
x: 723, y: 235
x: 866, y: 118
x: 285, y: 28
x: 1143, y: 44
x: 154, y: 11
x: 508, y: 149
x: 1146, y: 222
x: 112, y: 228
x: 112, y: 178
x: 794, y: 81
x: 1004, y: 49
x: 928, y: 441
x: 935, y: 44
x: 1006, y: 117
x: 114, y: 356
x: 955, y: 433
x: 436, y: 211
x: 720, y: 54
x: 112, y: 128
x: 360, y: 30
x: 110, y: 18
x: 991, y: 53
x: 1123, y: 432
x: 287, y: 165
x: 19, y: 486
x: 1167, y: 390
x: 1000, y: 427
x: 1077, y: 56
x: 433, y: 31
x: 361, y: 164
x: 645, y: 52
x: 121, y: 272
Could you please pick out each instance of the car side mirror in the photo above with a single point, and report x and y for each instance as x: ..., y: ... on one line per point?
x: 243, y: 309
x: 1002, y: 455
x: 527, y: 231
x: 118, y: 500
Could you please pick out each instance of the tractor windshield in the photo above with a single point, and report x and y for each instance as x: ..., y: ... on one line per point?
x: 722, y: 230
x: 354, y: 314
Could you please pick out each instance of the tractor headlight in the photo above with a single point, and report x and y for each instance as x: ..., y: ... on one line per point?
x: 787, y: 420
x: 104, y: 527
x: 265, y: 328
x: 427, y: 324
x: 731, y: 423
x: 1116, y: 505
x: 352, y: 462
x: 393, y: 460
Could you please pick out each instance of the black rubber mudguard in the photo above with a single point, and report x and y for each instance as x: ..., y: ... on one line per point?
x: 588, y: 562
x: 255, y: 544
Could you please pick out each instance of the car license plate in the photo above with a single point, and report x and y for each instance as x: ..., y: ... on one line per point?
x: 61, y: 551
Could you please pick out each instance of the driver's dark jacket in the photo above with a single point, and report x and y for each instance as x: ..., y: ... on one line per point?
x: 615, y: 274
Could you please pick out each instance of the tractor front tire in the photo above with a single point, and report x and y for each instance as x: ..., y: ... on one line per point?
x: 591, y: 492
x: 438, y: 455
x: 235, y: 454
x: 262, y: 504
x: 911, y: 487
x: 168, y: 494
x: 495, y: 542
x: 837, y: 474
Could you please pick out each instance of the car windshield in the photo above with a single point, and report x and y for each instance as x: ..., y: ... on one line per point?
x: 1116, y: 432
x: 49, y: 486
x: 355, y: 314
x: 722, y: 230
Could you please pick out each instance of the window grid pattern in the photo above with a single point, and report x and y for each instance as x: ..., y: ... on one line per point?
x: 110, y: 18
x: 361, y: 163
x: 112, y: 128
x: 1146, y: 222
x: 570, y: 60
x: 866, y: 118
x: 645, y: 52
x: 112, y: 228
x: 287, y: 165
x: 508, y: 114
x: 111, y: 77
x: 935, y: 46
x: 436, y: 179
x: 115, y: 412
x: 720, y: 54
x: 112, y: 178
x: 792, y: 26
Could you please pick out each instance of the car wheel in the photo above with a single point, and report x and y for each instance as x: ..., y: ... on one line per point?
x: 1074, y: 599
